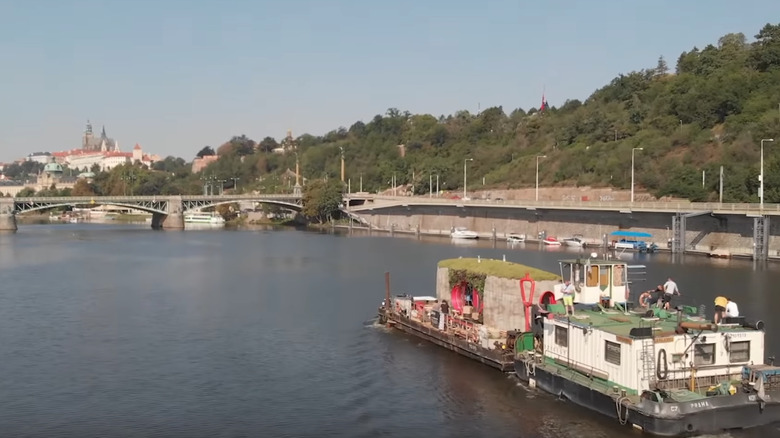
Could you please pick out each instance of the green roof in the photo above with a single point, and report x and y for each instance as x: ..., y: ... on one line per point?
x: 498, y: 268
x: 620, y: 324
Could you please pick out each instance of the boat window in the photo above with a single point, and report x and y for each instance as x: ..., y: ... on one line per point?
x: 619, y: 277
x: 739, y: 351
x: 561, y: 336
x: 704, y: 354
x: 612, y: 352
x: 605, y: 276
x: 593, y: 276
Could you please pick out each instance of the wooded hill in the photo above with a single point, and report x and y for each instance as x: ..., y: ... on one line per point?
x: 710, y: 111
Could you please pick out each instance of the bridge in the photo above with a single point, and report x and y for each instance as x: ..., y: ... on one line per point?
x: 757, y: 215
x: 167, y: 211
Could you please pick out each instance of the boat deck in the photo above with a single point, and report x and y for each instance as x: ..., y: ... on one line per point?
x: 620, y: 323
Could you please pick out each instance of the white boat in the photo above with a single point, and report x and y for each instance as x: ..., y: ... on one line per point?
x: 551, y: 241
x: 573, y: 241
x: 204, y: 218
x: 463, y: 233
x: 515, y: 238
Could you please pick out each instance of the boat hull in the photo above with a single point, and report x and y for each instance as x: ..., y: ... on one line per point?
x: 713, y: 415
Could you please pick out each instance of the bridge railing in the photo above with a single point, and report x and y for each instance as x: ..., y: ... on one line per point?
x: 123, y: 198
x: 681, y: 206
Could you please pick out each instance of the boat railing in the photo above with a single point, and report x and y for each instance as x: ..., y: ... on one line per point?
x: 681, y: 379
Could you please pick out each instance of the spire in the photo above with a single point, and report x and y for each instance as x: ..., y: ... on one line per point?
x: 103, y: 132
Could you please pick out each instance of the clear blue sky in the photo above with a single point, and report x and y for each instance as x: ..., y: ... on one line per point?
x: 175, y: 75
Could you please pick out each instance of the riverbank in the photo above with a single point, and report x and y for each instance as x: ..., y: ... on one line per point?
x: 532, y: 241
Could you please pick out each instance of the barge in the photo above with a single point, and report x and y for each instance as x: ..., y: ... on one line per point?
x: 668, y: 373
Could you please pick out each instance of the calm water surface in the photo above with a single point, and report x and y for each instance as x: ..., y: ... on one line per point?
x: 124, y: 331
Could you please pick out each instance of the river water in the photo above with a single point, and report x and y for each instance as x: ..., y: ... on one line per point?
x: 110, y: 330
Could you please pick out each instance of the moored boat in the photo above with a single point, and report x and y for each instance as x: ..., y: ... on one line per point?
x: 463, y: 233
x: 576, y: 242
x: 204, y: 218
x: 515, y: 238
x: 551, y: 241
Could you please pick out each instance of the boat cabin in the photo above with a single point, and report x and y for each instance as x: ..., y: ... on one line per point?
x: 596, y: 281
x: 666, y: 353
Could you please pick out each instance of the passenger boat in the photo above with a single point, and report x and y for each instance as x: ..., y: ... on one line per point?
x: 204, y: 218
x: 667, y: 373
x: 463, y: 233
x: 515, y: 238
x: 551, y: 241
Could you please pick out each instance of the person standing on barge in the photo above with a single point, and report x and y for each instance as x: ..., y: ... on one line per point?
x: 445, y: 310
x: 720, y: 309
x: 670, y: 289
x: 568, y: 297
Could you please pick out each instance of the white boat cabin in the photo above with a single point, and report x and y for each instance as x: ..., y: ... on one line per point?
x: 595, y: 281
x: 641, y: 353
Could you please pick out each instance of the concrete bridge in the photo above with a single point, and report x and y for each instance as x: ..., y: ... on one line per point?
x: 167, y: 211
x: 690, y: 225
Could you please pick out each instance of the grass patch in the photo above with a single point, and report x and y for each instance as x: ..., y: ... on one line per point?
x: 498, y: 268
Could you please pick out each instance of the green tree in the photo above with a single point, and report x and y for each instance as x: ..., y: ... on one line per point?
x: 207, y: 150
x: 321, y: 200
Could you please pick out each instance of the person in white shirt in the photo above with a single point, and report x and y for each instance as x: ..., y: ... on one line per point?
x: 568, y: 297
x: 670, y: 289
x: 732, y: 311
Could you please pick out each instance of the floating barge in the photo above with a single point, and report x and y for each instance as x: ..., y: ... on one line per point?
x: 667, y: 373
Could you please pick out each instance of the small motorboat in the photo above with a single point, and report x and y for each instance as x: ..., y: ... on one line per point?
x: 463, y: 233
x: 573, y: 241
x: 551, y: 241
x: 515, y: 238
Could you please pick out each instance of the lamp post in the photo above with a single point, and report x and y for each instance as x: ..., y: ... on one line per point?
x: 761, y: 177
x: 464, y: 175
x: 235, y: 183
x: 537, y: 174
x: 632, y: 171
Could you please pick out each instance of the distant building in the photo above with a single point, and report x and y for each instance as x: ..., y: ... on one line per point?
x: 287, y: 145
x: 91, y: 143
x: 39, y: 157
x: 200, y: 163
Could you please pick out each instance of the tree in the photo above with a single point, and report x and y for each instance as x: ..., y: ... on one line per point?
x: 267, y: 144
x: 207, y: 150
x: 83, y: 188
x: 661, y: 69
x: 321, y: 200
x: 26, y: 193
x: 766, y: 50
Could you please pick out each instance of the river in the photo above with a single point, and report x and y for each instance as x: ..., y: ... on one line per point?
x: 112, y: 330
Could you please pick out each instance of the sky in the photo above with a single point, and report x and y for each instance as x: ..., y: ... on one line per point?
x: 176, y: 75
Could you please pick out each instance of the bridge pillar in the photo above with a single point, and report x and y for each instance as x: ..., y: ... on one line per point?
x: 174, y: 219
x: 7, y: 215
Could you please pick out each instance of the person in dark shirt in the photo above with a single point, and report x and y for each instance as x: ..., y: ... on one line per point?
x: 445, y: 311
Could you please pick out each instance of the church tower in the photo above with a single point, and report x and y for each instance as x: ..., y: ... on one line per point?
x: 86, y: 142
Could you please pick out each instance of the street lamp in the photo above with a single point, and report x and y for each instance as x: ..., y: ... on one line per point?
x: 761, y: 177
x: 235, y: 183
x: 632, y: 171
x: 537, y: 174
x: 464, y: 175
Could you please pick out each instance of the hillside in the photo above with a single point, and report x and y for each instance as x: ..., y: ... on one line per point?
x: 711, y: 110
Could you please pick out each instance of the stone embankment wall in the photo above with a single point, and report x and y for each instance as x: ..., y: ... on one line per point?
x: 733, y: 233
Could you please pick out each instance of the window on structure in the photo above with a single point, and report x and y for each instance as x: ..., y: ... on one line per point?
x: 561, y: 336
x: 605, y: 277
x: 739, y: 351
x: 619, y: 277
x: 612, y: 352
x: 593, y: 277
x: 704, y: 354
